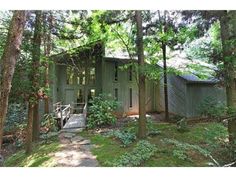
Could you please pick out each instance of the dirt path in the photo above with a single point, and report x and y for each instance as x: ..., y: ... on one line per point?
x: 75, y: 152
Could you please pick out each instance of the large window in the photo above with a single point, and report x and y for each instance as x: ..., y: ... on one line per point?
x: 116, y: 72
x: 116, y: 94
x: 69, y: 75
x: 81, y: 78
x: 130, y: 98
x: 130, y: 73
x: 92, y: 75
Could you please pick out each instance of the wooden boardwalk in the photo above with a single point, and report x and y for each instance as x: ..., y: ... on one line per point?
x: 75, y: 121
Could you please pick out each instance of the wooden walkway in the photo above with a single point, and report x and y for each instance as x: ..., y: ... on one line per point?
x: 75, y: 121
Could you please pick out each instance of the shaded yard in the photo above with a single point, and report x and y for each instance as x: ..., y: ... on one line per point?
x: 191, y: 148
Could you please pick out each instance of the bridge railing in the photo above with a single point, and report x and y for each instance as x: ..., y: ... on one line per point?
x: 62, y: 112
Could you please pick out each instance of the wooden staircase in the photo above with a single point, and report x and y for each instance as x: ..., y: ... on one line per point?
x: 70, y: 116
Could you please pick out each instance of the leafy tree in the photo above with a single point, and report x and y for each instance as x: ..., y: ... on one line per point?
x: 33, y: 124
x: 141, y: 84
x: 10, y: 54
x: 228, y: 36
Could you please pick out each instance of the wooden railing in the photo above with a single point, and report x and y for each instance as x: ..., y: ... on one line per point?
x: 63, y: 112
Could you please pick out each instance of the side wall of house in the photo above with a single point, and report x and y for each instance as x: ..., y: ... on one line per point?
x: 197, y: 93
x: 176, y: 95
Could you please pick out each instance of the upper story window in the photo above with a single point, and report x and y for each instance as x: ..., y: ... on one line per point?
x: 81, y: 78
x: 130, y: 73
x: 116, y: 72
x: 92, y: 75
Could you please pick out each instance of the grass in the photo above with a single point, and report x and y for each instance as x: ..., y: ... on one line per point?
x: 207, y: 136
x: 40, y: 157
x: 106, y: 149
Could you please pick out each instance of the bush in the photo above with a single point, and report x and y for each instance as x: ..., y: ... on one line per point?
x: 16, y: 116
x: 182, y: 125
x: 49, y: 127
x: 212, y: 108
x: 152, y: 130
x: 49, y: 123
x: 142, y: 152
x: 101, y: 111
x: 125, y: 136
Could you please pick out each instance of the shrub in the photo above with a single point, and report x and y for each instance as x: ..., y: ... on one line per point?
x: 212, y: 108
x: 16, y: 116
x: 49, y: 123
x: 125, y: 136
x: 182, y: 149
x: 142, y: 152
x: 101, y: 111
x: 182, y: 125
x: 49, y: 127
x: 152, y: 130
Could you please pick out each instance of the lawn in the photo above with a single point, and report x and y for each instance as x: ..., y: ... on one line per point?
x: 42, y: 155
x: 200, y: 146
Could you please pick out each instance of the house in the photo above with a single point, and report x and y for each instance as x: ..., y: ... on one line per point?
x: 80, y: 74
x: 187, y: 91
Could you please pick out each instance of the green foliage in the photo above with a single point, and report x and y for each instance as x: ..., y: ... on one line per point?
x: 182, y: 148
x: 49, y: 125
x: 211, y: 108
x: 16, y: 116
x: 182, y: 125
x: 180, y: 154
x: 141, y: 152
x: 207, y: 47
x: 152, y: 129
x: 101, y: 111
x: 49, y: 122
x: 126, y: 136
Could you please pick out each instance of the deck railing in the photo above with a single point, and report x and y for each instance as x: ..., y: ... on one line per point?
x: 63, y: 112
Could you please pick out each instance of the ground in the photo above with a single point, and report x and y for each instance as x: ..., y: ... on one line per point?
x: 203, y: 143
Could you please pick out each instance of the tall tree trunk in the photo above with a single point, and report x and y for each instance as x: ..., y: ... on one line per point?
x: 33, y: 127
x: 229, y: 68
x: 9, y: 58
x: 47, y: 51
x: 165, y: 82
x: 29, y: 136
x: 142, y: 97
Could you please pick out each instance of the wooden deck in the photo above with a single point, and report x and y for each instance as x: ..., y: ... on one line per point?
x: 75, y: 121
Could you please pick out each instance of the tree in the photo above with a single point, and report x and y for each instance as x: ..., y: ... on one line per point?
x: 10, y: 54
x: 228, y: 38
x: 33, y: 124
x: 141, y: 83
x: 48, y: 17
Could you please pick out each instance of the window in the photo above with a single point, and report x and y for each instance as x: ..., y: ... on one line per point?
x: 116, y: 71
x: 69, y: 75
x: 92, y: 75
x: 79, y: 96
x: 130, y: 98
x: 91, y: 94
x: 116, y: 94
x: 81, y: 78
x: 130, y: 73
